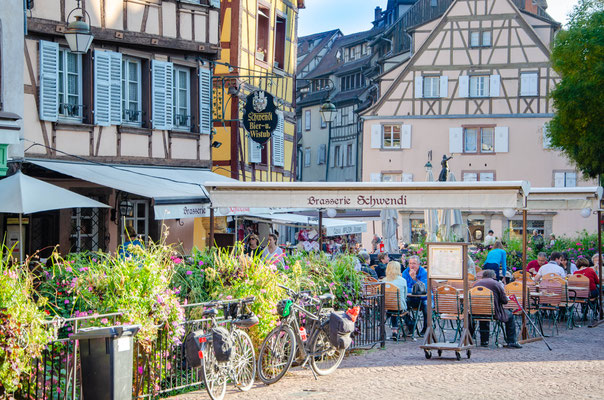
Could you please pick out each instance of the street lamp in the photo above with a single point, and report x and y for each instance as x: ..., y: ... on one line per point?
x: 328, y: 113
x: 78, y: 33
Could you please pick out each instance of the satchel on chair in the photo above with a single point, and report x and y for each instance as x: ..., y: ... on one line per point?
x: 418, y: 288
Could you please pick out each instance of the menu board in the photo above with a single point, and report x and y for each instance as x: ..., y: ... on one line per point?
x: 445, y: 261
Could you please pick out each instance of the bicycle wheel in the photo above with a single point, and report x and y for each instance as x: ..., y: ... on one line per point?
x: 214, y: 376
x: 327, y: 358
x: 276, y: 354
x: 244, y: 361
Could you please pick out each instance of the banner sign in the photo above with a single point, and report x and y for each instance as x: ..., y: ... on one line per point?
x: 260, y: 117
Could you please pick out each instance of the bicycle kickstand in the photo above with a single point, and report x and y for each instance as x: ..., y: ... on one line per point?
x: 306, y: 360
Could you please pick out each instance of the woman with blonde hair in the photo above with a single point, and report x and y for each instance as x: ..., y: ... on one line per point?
x: 394, y: 277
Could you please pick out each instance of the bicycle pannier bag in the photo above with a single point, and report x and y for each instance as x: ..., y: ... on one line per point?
x: 418, y: 288
x: 192, y: 348
x: 223, y: 344
x: 340, y: 328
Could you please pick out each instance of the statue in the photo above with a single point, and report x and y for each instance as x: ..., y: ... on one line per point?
x: 445, y: 168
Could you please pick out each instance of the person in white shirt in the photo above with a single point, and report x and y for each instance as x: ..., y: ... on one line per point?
x: 553, y: 266
x: 272, y: 250
x: 489, y: 239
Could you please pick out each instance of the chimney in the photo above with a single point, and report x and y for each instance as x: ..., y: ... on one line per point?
x: 529, y: 5
x: 378, y: 13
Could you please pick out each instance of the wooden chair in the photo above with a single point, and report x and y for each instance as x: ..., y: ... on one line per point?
x: 550, y: 276
x: 551, y: 304
x: 370, y: 287
x: 482, y: 309
x: 457, y: 284
x: 514, y: 288
x: 518, y: 275
x: 447, y: 307
x: 471, y: 278
x: 581, y: 296
x: 392, y: 305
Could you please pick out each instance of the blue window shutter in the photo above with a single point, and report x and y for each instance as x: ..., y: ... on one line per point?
x: 102, y: 88
x: 161, y: 94
x: 49, y: 81
x: 116, y: 88
x: 205, y: 101
x: 279, y: 143
x: 169, y: 95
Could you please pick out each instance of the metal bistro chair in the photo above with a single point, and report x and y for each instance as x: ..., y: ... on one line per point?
x: 482, y: 309
x: 392, y: 305
x: 447, y: 307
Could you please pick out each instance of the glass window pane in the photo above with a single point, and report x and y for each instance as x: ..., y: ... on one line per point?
x: 182, y: 79
x: 470, y: 177
x: 470, y: 141
x: 487, y: 140
x: 486, y: 38
x: 140, y: 210
x: 72, y: 62
x: 133, y: 75
x: 486, y: 177
x: 474, y: 39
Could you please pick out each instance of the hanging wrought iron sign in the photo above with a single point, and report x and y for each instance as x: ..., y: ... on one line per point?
x: 260, y: 116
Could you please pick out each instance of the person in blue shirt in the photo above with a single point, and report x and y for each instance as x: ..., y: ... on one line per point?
x: 130, y: 240
x: 414, y: 273
x: 496, y: 260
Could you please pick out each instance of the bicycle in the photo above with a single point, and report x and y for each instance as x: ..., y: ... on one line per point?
x: 277, y: 351
x: 241, y: 366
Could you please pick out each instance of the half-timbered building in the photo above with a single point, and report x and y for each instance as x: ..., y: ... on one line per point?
x: 475, y: 86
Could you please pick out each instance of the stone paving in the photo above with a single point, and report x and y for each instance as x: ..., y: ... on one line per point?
x: 573, y: 370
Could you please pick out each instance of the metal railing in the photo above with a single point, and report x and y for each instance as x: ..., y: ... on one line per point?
x: 370, y: 328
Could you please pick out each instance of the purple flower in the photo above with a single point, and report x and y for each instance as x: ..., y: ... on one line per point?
x: 177, y: 260
x: 68, y: 269
x: 140, y: 370
x: 286, y: 267
x: 189, y: 272
x: 349, y: 303
x: 66, y: 301
x: 104, y: 321
x: 201, y: 263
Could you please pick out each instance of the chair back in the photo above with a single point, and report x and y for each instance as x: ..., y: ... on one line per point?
x: 436, y: 285
x: 471, y: 277
x: 391, y: 297
x: 550, y: 275
x: 371, y: 288
x: 580, y: 281
x: 517, y: 275
x: 556, y: 288
x: 368, y: 278
x: 457, y: 284
x: 446, y: 300
x: 513, y: 288
x: 481, y: 301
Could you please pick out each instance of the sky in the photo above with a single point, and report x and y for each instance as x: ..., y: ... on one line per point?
x: 352, y: 16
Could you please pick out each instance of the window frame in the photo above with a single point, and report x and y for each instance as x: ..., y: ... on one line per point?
x: 62, y: 83
x: 478, y: 175
x: 486, y: 86
x: 307, y: 157
x: 336, y: 156
x: 176, y: 101
x: 126, y: 61
x: 349, y: 155
x: 266, y: 10
x: 481, y: 41
x: 566, y: 173
x: 392, y: 137
x: 277, y: 44
x: 431, y: 78
x: 136, y: 203
x: 479, y: 139
x: 307, y: 120
x: 77, y: 235
x: 536, y: 93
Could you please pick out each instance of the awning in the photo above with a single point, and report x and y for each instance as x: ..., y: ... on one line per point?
x: 333, y: 226
x: 567, y: 198
x: 176, y: 192
x: 371, y: 195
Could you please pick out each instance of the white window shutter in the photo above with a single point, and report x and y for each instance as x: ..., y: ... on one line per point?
x: 524, y: 84
x: 116, y: 88
x: 494, y: 85
x: 255, y: 151
x: 419, y: 87
x: 470, y: 177
x: 406, y: 137
x: 205, y: 101
x: 49, y: 81
x: 455, y: 140
x: 559, y: 179
x: 534, y: 84
x: 464, y: 86
x: 444, y: 86
x: 502, y: 139
x: 407, y: 177
x: 376, y: 136
x: 571, y: 179
x: 102, y: 88
x: 547, y: 141
x: 278, y: 143
x: 375, y: 177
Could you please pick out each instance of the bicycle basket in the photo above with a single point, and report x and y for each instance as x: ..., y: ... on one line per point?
x: 223, y: 344
x: 284, y: 308
x: 340, y: 328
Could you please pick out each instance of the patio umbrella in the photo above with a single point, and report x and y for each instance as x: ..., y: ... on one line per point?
x: 430, y: 216
x: 450, y: 221
x: 21, y: 194
x: 389, y: 227
x: 456, y: 217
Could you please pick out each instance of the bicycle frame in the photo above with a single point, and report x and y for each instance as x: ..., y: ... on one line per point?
x: 292, y: 321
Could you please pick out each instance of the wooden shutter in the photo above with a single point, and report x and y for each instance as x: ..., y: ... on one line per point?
x: 376, y: 136
x: 444, y: 86
x: 455, y: 140
x: 406, y: 137
x: 464, y: 86
x: 205, y: 101
x: 49, y: 81
x: 254, y: 152
x: 501, y: 139
x: 376, y: 177
x: 494, y: 85
x: 116, y: 88
x: 102, y: 88
x: 547, y: 141
x: 419, y: 87
x: 161, y: 94
x: 278, y: 143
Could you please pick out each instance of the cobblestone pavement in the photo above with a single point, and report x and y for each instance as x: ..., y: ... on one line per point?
x: 573, y: 370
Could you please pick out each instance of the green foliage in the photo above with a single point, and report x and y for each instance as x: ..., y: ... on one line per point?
x: 578, y: 57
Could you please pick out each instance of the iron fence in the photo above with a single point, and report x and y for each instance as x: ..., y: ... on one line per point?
x: 370, y: 328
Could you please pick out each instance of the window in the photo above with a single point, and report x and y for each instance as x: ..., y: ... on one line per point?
x: 280, y: 31
x: 392, y: 177
x: 70, y: 84
x: 431, y: 86
x: 181, y: 100
x: 418, y: 233
x: 565, y: 179
x: 349, y: 155
x: 529, y: 84
x: 139, y: 219
x: 391, y: 137
x: 480, y: 39
x: 262, y: 33
x: 322, y: 154
x: 336, y: 157
x: 307, y: 157
x: 307, y: 120
x: 299, y: 125
x: 479, y: 86
x: 85, y: 229
x: 131, y: 91
x: 478, y: 176
x: 351, y: 82
x: 531, y: 225
x: 479, y: 140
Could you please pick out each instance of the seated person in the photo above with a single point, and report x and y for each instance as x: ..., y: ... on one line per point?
x: 499, y: 298
x: 130, y: 241
x: 553, y: 266
x: 585, y: 270
x: 569, y: 266
x: 534, y: 266
x: 413, y: 274
x: 364, y: 259
x: 393, y: 276
x: 383, y: 261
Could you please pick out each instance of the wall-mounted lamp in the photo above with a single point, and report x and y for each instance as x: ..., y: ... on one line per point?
x: 126, y: 208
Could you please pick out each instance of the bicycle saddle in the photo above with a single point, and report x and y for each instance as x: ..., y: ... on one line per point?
x: 247, y: 321
x: 210, y: 312
x: 327, y: 297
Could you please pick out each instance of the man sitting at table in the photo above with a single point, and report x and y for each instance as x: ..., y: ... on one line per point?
x: 534, y: 266
x: 499, y: 299
x: 552, y: 267
x: 412, y: 275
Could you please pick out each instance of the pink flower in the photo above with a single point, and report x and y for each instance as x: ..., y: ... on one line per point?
x: 189, y: 272
x: 177, y: 260
x: 201, y: 263
x: 140, y: 370
x: 66, y: 301
x: 68, y: 269
x: 262, y: 291
x: 229, y: 297
x: 104, y: 321
x: 349, y: 303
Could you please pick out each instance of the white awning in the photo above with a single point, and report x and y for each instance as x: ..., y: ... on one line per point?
x: 182, y: 189
x: 566, y: 198
x: 370, y: 195
x: 333, y: 226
